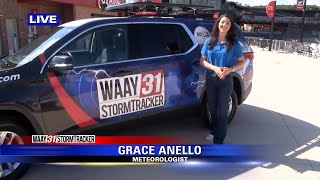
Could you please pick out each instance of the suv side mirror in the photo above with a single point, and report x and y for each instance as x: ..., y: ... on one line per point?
x: 61, y: 63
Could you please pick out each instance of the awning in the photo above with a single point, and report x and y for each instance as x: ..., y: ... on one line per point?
x: 86, y: 3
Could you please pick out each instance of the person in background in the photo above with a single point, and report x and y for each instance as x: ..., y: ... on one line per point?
x: 220, y: 55
x: 172, y: 48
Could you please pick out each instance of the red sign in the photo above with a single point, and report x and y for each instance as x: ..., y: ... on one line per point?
x: 109, y: 2
x: 270, y: 8
x: 300, y: 5
x: 216, y: 15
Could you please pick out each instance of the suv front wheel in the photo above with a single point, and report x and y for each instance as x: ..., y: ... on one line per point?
x: 233, y: 104
x: 10, y: 133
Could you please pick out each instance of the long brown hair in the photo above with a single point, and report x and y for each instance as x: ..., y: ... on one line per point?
x: 231, y: 35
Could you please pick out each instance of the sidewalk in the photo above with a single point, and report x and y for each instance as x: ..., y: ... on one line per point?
x: 283, y: 111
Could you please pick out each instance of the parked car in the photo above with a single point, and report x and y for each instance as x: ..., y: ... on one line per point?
x: 95, y: 72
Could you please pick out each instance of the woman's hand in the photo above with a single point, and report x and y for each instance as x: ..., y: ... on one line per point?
x: 219, y: 72
x: 226, y: 71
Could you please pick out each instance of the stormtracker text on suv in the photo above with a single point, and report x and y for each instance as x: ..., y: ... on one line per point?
x: 95, y: 72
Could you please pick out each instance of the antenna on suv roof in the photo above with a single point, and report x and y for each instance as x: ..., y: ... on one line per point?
x: 148, y: 8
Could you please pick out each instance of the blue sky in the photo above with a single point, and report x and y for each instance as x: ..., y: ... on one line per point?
x: 279, y: 2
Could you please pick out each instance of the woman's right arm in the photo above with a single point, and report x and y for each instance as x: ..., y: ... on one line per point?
x: 204, y: 63
x: 203, y: 60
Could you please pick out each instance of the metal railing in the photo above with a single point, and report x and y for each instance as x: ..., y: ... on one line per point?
x: 305, y: 49
x: 281, y: 19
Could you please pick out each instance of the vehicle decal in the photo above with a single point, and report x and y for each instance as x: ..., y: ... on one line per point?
x: 132, y: 93
x: 13, y: 77
x: 81, y: 118
x: 42, y: 58
x: 201, y: 34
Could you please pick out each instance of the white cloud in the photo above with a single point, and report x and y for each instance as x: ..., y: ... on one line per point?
x: 313, y: 2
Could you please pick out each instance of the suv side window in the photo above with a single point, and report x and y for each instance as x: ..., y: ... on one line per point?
x: 100, y: 45
x: 81, y: 44
x: 185, y: 41
x: 153, y: 40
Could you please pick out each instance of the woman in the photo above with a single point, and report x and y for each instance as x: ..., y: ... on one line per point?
x: 221, y: 55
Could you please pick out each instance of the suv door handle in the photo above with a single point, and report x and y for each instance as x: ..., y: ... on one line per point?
x: 122, y: 73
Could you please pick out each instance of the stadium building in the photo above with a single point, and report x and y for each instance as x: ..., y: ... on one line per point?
x: 15, y: 33
x: 288, y: 23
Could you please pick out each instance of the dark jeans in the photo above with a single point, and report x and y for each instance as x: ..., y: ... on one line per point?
x: 218, y: 96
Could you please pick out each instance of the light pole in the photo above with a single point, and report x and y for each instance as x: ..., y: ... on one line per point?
x: 271, y: 12
x: 272, y: 28
x: 303, y: 19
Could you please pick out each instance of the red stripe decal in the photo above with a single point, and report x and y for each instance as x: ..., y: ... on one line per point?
x: 81, y: 118
x: 77, y: 114
x: 42, y: 58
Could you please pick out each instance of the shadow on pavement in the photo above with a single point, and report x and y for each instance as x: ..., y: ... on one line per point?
x: 257, y: 125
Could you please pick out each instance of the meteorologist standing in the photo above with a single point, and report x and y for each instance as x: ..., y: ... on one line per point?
x: 220, y: 55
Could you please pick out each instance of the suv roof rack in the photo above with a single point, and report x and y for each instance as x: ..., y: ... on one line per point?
x: 149, y: 8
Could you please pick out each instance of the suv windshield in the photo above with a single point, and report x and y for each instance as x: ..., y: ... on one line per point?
x: 34, y: 49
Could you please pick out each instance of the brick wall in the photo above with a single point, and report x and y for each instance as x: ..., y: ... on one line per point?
x: 10, y: 9
x: 81, y: 12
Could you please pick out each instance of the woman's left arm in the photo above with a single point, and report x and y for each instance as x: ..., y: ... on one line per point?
x: 234, y: 68
x: 241, y: 61
x: 239, y: 65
